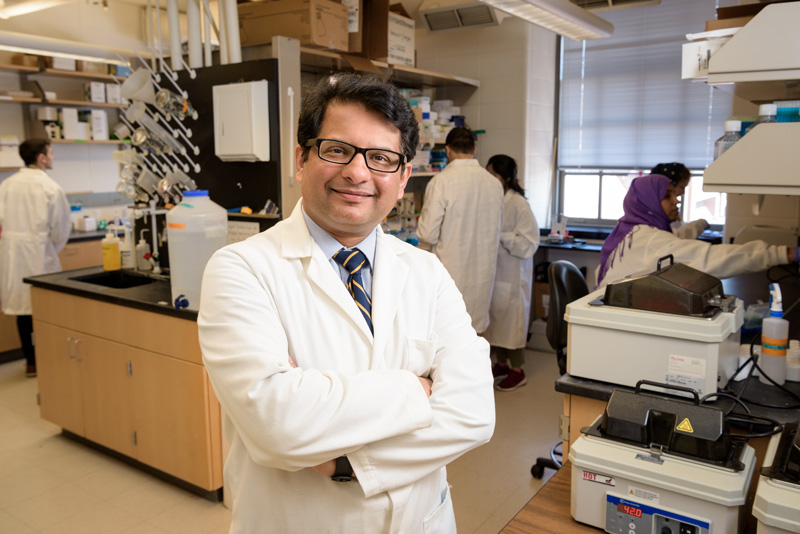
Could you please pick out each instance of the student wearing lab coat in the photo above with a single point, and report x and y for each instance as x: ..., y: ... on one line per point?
x: 460, y: 222
x: 312, y: 385
x: 643, y: 235
x: 511, y: 297
x: 34, y: 227
x: 680, y: 176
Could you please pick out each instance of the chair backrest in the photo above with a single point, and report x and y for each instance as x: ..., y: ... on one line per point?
x: 567, y: 284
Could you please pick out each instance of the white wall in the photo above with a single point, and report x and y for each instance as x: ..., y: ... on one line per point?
x: 515, y: 64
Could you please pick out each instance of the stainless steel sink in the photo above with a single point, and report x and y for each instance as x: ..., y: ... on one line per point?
x: 115, y: 279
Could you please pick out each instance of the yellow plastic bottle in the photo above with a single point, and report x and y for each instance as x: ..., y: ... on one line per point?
x: 111, y: 257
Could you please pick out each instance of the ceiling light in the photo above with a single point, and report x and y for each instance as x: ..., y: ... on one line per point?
x: 47, y: 46
x: 27, y: 6
x: 561, y: 16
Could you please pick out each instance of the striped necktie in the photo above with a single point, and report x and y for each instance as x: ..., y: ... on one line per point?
x: 353, y: 260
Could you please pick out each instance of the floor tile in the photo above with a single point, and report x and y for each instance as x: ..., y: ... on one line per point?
x: 54, y: 506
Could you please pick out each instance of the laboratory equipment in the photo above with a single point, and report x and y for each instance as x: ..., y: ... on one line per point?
x: 196, y: 228
x: 111, y: 257
x: 139, y: 86
x: 766, y: 113
x: 728, y: 139
x: 146, y: 140
x: 674, y: 325
x: 175, y: 105
x: 778, y: 490
x: 658, y: 465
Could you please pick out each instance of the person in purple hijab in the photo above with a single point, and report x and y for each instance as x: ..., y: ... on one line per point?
x: 642, y: 205
x: 643, y: 235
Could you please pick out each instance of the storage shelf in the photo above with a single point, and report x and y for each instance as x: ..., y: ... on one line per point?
x: 7, y: 169
x: 20, y: 99
x: 89, y: 141
x: 323, y: 61
x: 17, y: 68
x: 76, y: 74
x: 768, y: 150
x: 81, y: 103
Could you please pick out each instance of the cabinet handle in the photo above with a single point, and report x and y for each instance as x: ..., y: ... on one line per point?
x: 77, y: 357
x: 69, y: 347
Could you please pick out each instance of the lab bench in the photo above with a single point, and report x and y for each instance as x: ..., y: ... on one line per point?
x: 585, y: 400
x: 121, y: 370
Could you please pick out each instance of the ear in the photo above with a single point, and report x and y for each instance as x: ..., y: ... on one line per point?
x: 300, y: 162
x: 404, y: 180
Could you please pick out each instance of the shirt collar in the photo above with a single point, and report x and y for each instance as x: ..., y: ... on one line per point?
x: 330, y: 245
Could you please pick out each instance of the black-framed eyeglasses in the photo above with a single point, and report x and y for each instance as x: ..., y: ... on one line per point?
x: 339, y: 152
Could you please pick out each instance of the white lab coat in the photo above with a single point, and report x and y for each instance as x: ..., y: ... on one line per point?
x: 460, y: 222
x: 511, y: 298
x: 648, y: 244
x: 275, y: 296
x: 35, y: 222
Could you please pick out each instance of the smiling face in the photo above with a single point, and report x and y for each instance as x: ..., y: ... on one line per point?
x: 670, y: 203
x: 349, y: 201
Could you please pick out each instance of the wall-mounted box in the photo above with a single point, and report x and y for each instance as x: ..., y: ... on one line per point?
x: 241, y: 121
x: 313, y: 22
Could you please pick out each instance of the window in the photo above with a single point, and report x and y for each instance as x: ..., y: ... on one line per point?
x: 593, y: 197
x: 624, y: 108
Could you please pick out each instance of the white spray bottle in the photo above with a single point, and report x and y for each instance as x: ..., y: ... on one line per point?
x: 774, y: 340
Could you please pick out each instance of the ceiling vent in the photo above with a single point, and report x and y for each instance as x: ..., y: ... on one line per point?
x: 443, y: 15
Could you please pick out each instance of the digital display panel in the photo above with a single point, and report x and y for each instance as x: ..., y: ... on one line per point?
x: 630, y: 510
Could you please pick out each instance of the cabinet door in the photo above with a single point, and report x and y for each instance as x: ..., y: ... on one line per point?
x: 172, y: 417
x: 107, y: 393
x: 81, y: 254
x: 58, y: 377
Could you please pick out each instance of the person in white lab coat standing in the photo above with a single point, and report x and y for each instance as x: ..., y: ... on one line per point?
x: 460, y: 222
x: 34, y: 227
x: 511, y: 298
x: 344, y: 358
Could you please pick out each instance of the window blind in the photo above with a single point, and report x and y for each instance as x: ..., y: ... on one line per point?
x: 623, y: 102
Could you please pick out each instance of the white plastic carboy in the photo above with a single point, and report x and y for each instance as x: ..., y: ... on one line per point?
x: 196, y: 228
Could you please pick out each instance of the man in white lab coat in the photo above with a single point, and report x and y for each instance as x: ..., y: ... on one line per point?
x: 460, y: 222
x: 34, y: 227
x: 346, y: 388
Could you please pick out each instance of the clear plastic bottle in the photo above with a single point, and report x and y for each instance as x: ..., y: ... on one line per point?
x: 766, y: 113
x: 774, y: 340
x: 726, y: 141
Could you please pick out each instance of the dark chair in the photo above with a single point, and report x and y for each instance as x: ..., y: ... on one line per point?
x: 567, y: 284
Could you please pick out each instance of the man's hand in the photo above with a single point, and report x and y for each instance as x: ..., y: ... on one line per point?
x: 427, y: 383
x: 326, y: 468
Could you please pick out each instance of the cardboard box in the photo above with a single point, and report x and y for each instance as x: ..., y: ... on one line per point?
x: 313, y: 22
x: 9, y: 152
x: 113, y: 95
x: 69, y: 123
x: 355, y: 25
x: 737, y: 22
x: 92, y: 66
x: 541, y: 291
x: 388, y: 33
x: 99, y: 122
x: 95, y: 92
x: 694, y: 62
x: 60, y: 63
x: 25, y: 60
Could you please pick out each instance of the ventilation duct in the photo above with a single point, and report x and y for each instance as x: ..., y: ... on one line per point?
x: 443, y: 15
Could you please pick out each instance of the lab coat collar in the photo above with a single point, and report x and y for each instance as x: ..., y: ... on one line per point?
x: 389, y: 275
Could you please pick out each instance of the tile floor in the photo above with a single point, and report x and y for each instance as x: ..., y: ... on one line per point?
x: 50, y: 484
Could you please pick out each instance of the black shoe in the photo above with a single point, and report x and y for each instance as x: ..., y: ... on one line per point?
x: 30, y: 371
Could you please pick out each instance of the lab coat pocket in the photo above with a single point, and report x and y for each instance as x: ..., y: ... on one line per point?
x: 419, y: 356
x: 501, y: 295
x: 442, y: 520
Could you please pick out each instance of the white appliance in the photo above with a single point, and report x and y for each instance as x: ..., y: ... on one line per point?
x: 653, y: 464
x: 777, y: 502
x: 622, y: 345
x: 622, y: 489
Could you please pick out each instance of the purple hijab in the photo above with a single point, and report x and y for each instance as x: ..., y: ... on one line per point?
x: 642, y: 205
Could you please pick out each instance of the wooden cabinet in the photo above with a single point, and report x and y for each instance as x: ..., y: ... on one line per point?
x: 81, y: 254
x: 130, y: 380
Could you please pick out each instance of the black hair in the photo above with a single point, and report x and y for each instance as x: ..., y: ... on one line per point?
x: 30, y: 149
x: 368, y: 90
x: 461, y: 140
x: 674, y: 171
x: 506, y: 167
